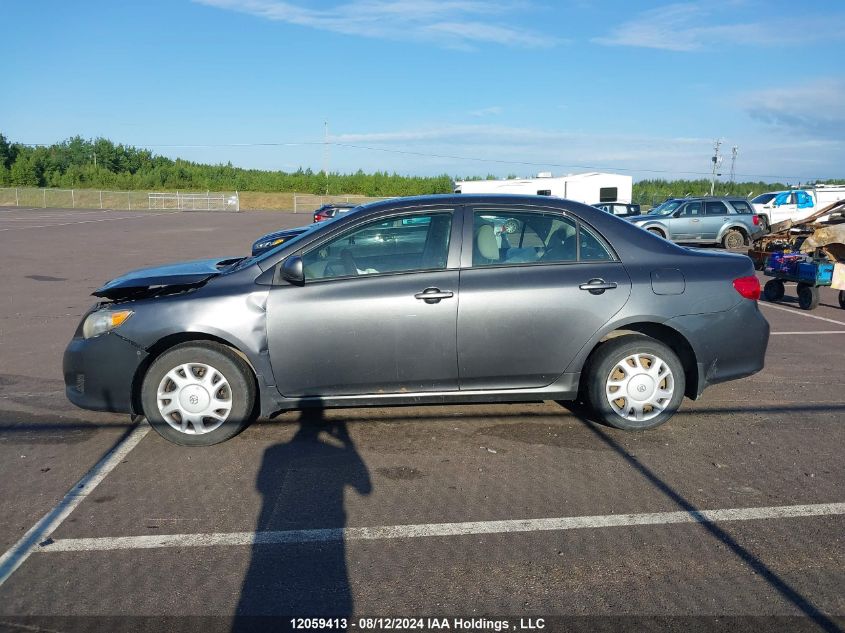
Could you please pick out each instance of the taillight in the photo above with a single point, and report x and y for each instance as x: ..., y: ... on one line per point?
x: 316, y: 218
x: 756, y: 220
x: 748, y: 287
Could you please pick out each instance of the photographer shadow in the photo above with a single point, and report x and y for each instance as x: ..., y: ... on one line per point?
x: 302, y: 483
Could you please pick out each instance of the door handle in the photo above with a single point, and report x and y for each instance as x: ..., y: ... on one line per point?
x: 696, y: 220
x: 434, y: 295
x: 598, y: 286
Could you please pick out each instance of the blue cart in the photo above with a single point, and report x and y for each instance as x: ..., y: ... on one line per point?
x: 809, y: 275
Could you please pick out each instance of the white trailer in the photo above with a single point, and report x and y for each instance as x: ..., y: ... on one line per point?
x: 589, y: 188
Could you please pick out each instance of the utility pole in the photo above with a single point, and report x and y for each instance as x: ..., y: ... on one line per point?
x: 326, y: 153
x: 717, y: 160
x: 734, y: 151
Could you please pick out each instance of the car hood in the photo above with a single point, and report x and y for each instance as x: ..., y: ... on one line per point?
x: 642, y: 218
x: 146, y: 280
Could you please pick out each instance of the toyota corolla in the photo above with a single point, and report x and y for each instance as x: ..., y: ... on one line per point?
x: 435, y: 299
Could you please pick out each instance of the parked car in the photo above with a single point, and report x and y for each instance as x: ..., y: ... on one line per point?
x: 730, y: 222
x: 426, y: 305
x: 328, y: 211
x: 796, y: 204
x: 271, y: 240
x: 621, y: 209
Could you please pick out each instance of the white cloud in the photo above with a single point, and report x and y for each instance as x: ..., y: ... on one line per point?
x: 502, y: 149
x: 695, y: 26
x: 486, y: 112
x: 460, y: 24
x: 815, y: 108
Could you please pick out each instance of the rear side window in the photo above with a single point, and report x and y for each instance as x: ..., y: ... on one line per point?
x: 520, y: 237
x: 742, y: 206
x: 715, y: 207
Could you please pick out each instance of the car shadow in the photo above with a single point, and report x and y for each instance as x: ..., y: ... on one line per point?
x: 788, y: 592
x: 302, y: 483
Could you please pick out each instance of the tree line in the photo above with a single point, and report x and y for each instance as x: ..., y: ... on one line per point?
x: 102, y: 164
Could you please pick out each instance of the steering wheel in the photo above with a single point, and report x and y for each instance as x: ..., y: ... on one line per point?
x: 349, y: 265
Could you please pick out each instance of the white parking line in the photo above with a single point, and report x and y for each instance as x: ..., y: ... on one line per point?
x: 437, y: 529
x: 48, y: 226
x: 819, y: 332
x: 42, y: 530
x: 801, y: 312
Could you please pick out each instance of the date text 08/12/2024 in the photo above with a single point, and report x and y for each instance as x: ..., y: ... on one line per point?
x: 467, y: 625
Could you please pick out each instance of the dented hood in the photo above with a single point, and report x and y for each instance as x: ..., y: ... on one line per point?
x: 136, y: 282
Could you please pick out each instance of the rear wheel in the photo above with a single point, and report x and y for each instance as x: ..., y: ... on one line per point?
x: 774, y: 290
x: 842, y: 299
x: 733, y: 239
x: 634, y: 383
x: 808, y: 297
x: 199, y: 394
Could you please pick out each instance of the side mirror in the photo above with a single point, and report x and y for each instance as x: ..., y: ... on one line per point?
x: 677, y: 213
x: 292, y: 271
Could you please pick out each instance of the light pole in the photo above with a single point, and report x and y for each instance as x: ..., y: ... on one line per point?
x: 717, y: 160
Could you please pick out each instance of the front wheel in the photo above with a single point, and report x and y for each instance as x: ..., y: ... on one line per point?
x: 199, y: 394
x: 842, y: 299
x: 657, y: 232
x: 774, y: 290
x: 634, y: 383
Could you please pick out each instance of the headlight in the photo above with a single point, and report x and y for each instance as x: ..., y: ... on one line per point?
x: 270, y: 243
x: 104, y: 321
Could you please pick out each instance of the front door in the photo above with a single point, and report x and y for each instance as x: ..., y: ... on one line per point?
x: 527, y: 307
x: 377, y: 312
x: 685, y: 224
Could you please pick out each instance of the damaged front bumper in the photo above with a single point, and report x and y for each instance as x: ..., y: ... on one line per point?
x: 99, y: 372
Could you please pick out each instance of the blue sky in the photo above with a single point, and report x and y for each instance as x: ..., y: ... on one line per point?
x: 424, y: 87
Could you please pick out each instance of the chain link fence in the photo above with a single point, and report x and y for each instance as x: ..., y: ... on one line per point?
x: 186, y: 201
x: 117, y: 200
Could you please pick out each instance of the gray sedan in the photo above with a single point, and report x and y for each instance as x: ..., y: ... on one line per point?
x: 434, y: 299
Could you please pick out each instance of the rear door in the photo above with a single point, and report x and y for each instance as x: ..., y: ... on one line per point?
x: 526, y: 305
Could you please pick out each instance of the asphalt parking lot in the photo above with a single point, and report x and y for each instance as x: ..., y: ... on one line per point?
x: 730, y: 514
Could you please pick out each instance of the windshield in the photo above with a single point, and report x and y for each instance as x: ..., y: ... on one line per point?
x: 763, y: 198
x: 249, y: 261
x: 666, y: 208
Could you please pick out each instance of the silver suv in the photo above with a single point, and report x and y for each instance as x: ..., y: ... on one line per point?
x: 730, y: 222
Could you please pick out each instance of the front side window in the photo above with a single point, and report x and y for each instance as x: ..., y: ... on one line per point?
x: 501, y: 236
x: 691, y: 209
x: 398, y: 244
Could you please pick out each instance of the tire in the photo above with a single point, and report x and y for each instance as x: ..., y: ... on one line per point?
x: 808, y: 297
x: 733, y: 239
x: 657, y: 232
x: 842, y: 299
x: 640, y: 354
x: 233, y: 385
x: 764, y: 224
x: 774, y: 290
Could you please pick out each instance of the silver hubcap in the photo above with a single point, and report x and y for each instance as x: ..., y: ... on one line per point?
x: 640, y: 387
x: 194, y: 398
